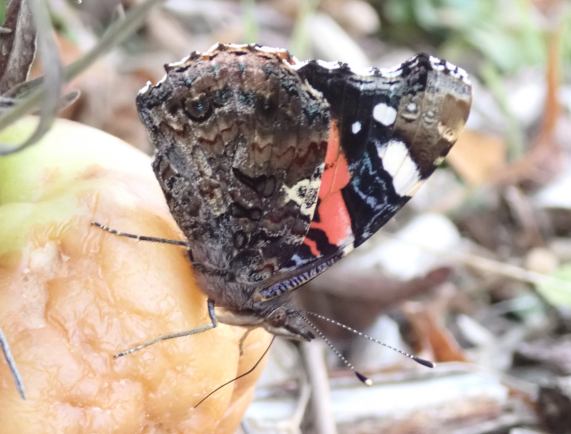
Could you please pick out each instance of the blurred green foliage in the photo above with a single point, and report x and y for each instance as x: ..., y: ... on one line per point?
x: 2, y: 10
x: 556, y: 289
x: 299, y: 43
x: 494, y: 39
x: 250, y: 24
x: 509, y: 34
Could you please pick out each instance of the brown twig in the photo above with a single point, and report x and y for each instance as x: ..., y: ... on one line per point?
x: 320, y: 398
x: 539, y: 163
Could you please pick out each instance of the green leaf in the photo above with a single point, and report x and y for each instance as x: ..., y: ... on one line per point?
x: 556, y: 288
x: 299, y: 43
x: 251, y: 30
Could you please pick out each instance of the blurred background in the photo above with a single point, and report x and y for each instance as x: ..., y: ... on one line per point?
x: 475, y: 274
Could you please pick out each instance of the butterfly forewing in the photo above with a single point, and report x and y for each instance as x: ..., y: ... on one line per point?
x: 389, y: 131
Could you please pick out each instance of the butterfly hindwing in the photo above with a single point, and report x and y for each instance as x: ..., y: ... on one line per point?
x: 241, y: 141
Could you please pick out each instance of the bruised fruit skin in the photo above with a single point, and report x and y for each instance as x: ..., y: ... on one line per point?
x: 72, y: 295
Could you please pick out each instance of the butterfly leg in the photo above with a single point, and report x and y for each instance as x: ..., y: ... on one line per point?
x: 140, y: 237
x: 194, y: 331
x: 12, y: 365
x: 243, y: 340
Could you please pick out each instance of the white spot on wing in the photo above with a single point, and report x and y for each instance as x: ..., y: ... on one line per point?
x: 356, y: 127
x: 181, y: 62
x: 214, y: 47
x: 162, y: 80
x: 363, y: 71
x: 146, y: 87
x: 398, y: 163
x: 268, y: 49
x: 297, y: 260
x: 390, y: 73
x: 304, y: 193
x: 453, y: 70
x: 385, y: 114
x: 328, y: 65
x: 460, y: 74
x: 436, y: 63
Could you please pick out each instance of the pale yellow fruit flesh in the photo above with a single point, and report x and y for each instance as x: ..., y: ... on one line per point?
x: 72, y: 295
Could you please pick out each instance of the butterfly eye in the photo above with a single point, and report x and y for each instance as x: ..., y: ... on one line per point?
x: 278, y: 317
x: 198, y: 108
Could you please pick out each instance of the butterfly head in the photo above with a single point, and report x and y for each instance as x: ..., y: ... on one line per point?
x: 274, y: 316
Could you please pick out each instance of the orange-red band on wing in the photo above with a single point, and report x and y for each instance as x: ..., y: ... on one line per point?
x: 336, y: 173
x: 334, y: 218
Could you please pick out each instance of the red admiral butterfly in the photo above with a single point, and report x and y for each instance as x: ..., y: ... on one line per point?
x: 274, y: 169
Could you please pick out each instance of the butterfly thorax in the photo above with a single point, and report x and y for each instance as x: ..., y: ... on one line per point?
x: 237, y: 305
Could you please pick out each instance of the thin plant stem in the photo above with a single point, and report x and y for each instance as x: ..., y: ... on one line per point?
x: 52, y: 72
x: 115, y: 34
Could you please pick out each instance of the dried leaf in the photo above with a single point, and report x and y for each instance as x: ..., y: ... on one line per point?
x: 543, y: 160
x: 17, y: 45
x: 477, y: 156
x: 428, y: 324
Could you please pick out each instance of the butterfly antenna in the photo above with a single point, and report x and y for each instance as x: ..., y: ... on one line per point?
x: 362, y: 378
x: 418, y: 360
x: 140, y: 237
x: 249, y: 371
